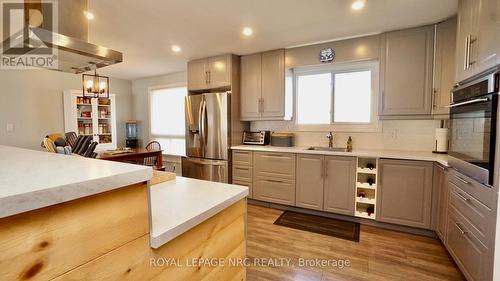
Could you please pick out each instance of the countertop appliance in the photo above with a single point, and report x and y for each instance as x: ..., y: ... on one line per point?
x: 282, y: 139
x: 473, y: 122
x: 207, y: 136
x: 257, y: 138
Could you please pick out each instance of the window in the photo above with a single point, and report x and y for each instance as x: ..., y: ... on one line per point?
x: 167, y: 118
x: 336, y: 97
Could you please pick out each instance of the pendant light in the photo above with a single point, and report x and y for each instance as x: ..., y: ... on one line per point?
x: 95, y: 86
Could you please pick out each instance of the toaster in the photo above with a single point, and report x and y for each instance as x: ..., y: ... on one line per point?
x: 257, y: 138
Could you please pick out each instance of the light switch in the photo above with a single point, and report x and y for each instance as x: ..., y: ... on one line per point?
x: 9, y: 127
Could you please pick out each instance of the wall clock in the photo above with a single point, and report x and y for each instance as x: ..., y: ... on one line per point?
x: 326, y: 55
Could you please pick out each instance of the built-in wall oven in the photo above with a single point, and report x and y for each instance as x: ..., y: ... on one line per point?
x: 473, y: 121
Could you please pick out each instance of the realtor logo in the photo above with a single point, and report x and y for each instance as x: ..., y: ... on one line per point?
x: 27, y: 34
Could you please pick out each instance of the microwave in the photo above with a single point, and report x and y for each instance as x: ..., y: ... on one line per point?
x: 257, y: 138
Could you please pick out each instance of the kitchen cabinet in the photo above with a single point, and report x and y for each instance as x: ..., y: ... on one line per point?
x: 406, y: 72
x: 469, y: 253
x: 263, y: 95
x: 209, y: 73
x: 274, y: 177
x: 273, y: 84
x: 340, y: 184
x: 405, y: 192
x: 326, y: 183
x: 310, y: 177
x: 444, y: 70
x: 251, y: 86
x: 478, y: 35
x: 242, y: 170
x: 441, y: 182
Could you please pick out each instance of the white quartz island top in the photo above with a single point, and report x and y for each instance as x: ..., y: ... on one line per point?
x: 392, y: 154
x: 181, y: 204
x: 31, y: 179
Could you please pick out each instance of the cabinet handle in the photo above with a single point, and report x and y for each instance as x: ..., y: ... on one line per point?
x: 442, y: 168
x: 462, y: 180
x: 471, y: 41
x: 466, y: 55
x: 209, y: 77
x: 460, y: 228
x: 275, y: 181
x: 434, y: 95
x: 326, y: 169
x: 206, y: 77
x: 465, y: 199
x: 322, y: 169
x: 243, y: 169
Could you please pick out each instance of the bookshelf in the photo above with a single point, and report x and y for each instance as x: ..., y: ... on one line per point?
x: 91, y: 117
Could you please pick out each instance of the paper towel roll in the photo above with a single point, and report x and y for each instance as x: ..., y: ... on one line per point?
x: 441, y: 140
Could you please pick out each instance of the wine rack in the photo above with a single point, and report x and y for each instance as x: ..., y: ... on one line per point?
x: 366, y: 188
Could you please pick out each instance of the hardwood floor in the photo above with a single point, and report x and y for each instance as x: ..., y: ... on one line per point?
x: 379, y: 255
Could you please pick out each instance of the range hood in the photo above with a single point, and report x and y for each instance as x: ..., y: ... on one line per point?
x: 73, y: 52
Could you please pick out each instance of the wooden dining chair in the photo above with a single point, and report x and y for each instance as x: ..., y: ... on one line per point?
x: 152, y: 146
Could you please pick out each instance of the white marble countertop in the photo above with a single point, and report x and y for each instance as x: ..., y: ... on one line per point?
x: 31, y: 179
x: 181, y: 204
x: 392, y: 154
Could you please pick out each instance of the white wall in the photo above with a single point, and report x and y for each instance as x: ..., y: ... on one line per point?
x: 32, y: 100
x: 140, y: 99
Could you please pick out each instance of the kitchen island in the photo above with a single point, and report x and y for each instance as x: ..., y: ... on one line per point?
x: 65, y: 217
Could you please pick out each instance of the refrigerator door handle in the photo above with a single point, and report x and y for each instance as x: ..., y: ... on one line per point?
x: 202, y: 125
x: 204, y: 162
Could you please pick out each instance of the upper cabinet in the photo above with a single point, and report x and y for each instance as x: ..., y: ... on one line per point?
x: 444, y: 67
x: 478, y: 37
x: 209, y: 73
x: 263, y: 94
x: 406, y: 72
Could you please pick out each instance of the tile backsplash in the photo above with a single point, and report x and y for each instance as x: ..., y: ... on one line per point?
x: 408, y: 135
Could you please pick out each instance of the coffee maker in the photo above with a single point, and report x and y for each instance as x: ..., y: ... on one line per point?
x: 131, y: 134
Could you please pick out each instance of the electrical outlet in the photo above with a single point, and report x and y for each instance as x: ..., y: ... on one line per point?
x: 9, y: 128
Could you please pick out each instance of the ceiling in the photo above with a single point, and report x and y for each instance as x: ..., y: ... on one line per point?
x: 145, y: 30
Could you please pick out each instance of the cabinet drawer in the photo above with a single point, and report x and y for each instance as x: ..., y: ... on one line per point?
x: 474, y: 211
x: 275, y: 165
x: 242, y: 173
x: 469, y: 253
x: 247, y: 184
x: 241, y: 157
x: 484, y: 194
x: 275, y: 190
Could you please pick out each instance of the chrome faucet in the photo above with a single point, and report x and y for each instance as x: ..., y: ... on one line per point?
x: 329, y: 136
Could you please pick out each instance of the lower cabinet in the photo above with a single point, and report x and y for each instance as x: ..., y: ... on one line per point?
x: 274, y: 177
x: 441, y: 180
x: 326, y: 183
x: 310, y: 178
x: 468, y: 252
x: 405, y: 192
x: 340, y: 184
x: 274, y: 190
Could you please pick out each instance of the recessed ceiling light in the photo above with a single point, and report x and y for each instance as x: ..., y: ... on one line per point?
x: 176, y: 48
x: 247, y: 31
x: 358, y: 5
x: 89, y: 15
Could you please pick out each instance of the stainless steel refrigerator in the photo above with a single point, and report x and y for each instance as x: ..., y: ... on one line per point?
x: 208, y: 119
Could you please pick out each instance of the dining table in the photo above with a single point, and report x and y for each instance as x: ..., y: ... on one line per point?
x: 134, y: 155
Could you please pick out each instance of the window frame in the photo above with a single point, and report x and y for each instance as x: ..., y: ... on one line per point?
x: 150, y: 93
x: 372, y: 126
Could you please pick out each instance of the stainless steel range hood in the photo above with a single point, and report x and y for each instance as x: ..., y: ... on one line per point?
x: 74, y: 53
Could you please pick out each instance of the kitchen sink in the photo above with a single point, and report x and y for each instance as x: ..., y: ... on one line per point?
x: 336, y: 149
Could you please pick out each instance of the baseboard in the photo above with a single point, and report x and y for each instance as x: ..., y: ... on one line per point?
x: 400, y: 228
